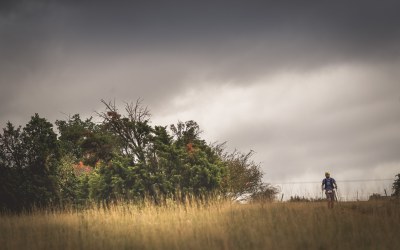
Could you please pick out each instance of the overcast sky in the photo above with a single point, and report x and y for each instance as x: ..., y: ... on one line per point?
x: 310, y: 87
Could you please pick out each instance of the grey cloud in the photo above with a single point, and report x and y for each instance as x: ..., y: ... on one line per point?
x: 360, y: 135
x: 352, y: 125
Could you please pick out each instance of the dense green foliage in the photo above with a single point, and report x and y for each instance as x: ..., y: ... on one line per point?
x: 28, y: 163
x: 121, y: 158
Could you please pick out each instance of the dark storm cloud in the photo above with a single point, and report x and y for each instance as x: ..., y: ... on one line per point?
x: 171, y: 43
x: 249, y: 35
x: 223, y: 40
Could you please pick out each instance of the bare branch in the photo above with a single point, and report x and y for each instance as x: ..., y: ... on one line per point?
x: 127, y: 127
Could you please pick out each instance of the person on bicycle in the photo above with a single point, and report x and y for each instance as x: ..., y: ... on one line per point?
x: 329, y: 185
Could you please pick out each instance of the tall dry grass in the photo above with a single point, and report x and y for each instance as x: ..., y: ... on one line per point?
x: 362, y: 225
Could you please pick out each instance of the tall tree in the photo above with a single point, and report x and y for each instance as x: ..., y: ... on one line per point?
x: 40, y: 142
x: 12, y: 157
x: 42, y: 156
x: 28, y: 163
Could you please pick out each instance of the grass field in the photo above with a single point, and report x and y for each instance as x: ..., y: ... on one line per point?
x: 357, y: 225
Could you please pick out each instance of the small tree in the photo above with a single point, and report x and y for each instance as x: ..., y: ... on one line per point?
x: 67, y: 179
x: 396, y: 186
x: 244, y: 175
x: 265, y: 192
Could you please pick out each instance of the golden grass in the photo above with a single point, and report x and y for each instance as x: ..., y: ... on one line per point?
x: 362, y: 225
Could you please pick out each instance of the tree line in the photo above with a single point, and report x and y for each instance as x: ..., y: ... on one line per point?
x: 121, y: 158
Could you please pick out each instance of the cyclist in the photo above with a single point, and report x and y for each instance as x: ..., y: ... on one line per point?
x: 329, y: 185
